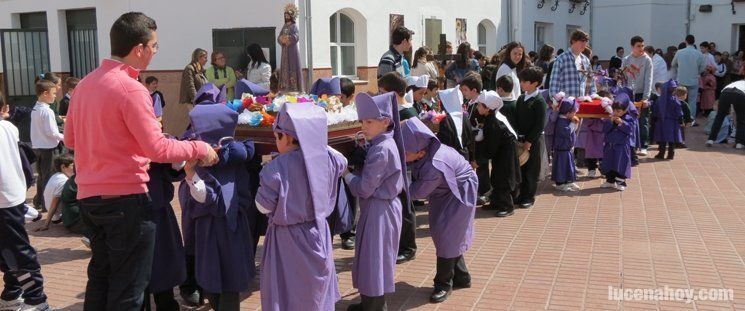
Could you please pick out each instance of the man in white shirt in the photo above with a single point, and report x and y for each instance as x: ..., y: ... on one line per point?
x: 45, y: 137
x: 708, y: 57
x: 24, y: 288
x: 659, y: 66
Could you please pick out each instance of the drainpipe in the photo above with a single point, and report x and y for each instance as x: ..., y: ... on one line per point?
x: 688, y: 18
x: 592, y: 20
x: 509, y: 22
x: 309, y: 43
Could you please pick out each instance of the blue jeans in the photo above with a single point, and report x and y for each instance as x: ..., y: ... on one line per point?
x: 692, y: 98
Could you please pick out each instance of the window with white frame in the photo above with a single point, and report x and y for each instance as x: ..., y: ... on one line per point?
x: 342, y: 45
x: 482, y: 38
x: 539, y: 36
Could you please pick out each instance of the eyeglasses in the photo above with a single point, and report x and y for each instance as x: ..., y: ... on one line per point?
x: 154, y: 47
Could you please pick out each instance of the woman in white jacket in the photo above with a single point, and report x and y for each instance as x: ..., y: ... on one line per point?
x: 513, y: 61
x: 259, y: 71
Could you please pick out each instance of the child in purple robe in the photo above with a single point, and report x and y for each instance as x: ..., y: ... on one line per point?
x: 667, y: 113
x: 443, y: 176
x: 565, y: 134
x: 618, y: 130
x: 377, y: 187
x: 298, y: 191
x: 169, y: 265
x: 218, y: 200
x: 593, y: 138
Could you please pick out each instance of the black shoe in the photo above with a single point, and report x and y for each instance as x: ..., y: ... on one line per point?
x: 482, y: 200
x: 439, y: 295
x: 660, y: 156
x: 38, y: 217
x: 418, y: 202
x: 347, y: 244
x: 505, y: 213
x: 525, y: 205
x: 355, y: 307
x: 404, y: 257
x: 670, y: 155
x: 681, y: 146
x: 192, y: 299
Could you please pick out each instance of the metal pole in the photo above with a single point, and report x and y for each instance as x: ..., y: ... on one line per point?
x: 309, y: 43
x: 688, y: 18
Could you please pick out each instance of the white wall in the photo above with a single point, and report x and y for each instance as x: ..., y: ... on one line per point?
x: 377, y: 17
x: 717, y: 25
x: 529, y: 13
x: 56, y: 24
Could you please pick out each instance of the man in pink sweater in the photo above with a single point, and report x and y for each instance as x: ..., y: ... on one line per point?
x: 113, y: 131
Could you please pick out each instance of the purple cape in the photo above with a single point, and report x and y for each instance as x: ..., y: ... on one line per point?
x: 667, y: 113
x: 245, y: 86
x: 562, y: 168
x: 617, y: 150
x: 445, y: 178
x: 326, y: 86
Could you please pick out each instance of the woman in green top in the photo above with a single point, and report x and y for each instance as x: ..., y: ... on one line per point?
x: 220, y: 74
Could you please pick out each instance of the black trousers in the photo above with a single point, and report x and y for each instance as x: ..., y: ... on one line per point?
x: 190, y: 285
x: 531, y: 171
x: 592, y: 164
x: 226, y: 301
x: 730, y: 98
x: 44, y: 168
x: 407, y: 243
x: 643, y: 123
x: 164, y: 301
x: 376, y: 303
x: 613, y: 177
x: 482, y: 172
x: 666, y: 147
x: 122, y: 246
x: 21, y: 269
x: 502, y: 200
x: 451, y: 270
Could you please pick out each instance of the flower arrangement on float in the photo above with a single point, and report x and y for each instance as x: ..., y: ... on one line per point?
x: 260, y: 111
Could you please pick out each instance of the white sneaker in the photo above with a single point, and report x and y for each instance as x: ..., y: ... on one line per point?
x: 57, y: 218
x: 709, y: 143
x: 86, y: 242
x: 11, y: 305
x: 574, y: 187
x: 592, y: 174
x: 620, y: 187
x: 32, y: 215
x: 739, y: 146
x: 607, y: 185
x: 40, y: 307
x: 643, y: 152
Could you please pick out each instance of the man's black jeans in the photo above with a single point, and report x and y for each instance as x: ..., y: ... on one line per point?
x: 123, y: 238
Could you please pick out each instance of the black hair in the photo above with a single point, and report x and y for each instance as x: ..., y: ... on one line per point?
x: 532, y: 74
x: 505, y: 83
x: 704, y: 44
x: 400, y: 34
x: 464, y: 55
x: 717, y: 53
x: 545, y: 53
x: 393, y: 82
x: 690, y: 39
x: 49, y: 76
x: 620, y: 48
x: 294, y: 140
x: 473, y: 81
x: 346, y: 86
x: 151, y: 79
x: 682, y: 45
x: 617, y: 106
x: 636, y: 39
x: 130, y: 30
x: 64, y: 159
x: 506, y: 59
x: 256, y: 54
x: 560, y: 51
x: 649, y: 49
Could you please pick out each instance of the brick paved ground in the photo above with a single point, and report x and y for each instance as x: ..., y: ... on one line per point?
x: 680, y: 224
